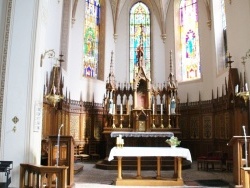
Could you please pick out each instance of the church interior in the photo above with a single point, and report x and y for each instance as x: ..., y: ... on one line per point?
x: 77, y: 74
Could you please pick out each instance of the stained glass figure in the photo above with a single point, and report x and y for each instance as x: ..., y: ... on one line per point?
x: 190, y: 58
x: 91, y: 38
x: 139, y: 38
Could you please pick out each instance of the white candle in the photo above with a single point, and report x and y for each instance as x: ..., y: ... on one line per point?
x: 161, y: 109
x: 236, y: 88
x: 121, y: 109
x: 246, y: 86
x: 169, y: 109
x: 113, y: 109
x: 128, y: 107
x: 153, y: 109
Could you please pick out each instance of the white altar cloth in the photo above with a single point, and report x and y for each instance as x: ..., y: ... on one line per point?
x: 141, y: 134
x: 150, y: 152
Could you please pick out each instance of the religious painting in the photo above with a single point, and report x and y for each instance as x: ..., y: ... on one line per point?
x: 141, y: 126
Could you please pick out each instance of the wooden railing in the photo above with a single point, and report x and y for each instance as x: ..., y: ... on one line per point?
x: 245, y: 177
x: 42, y: 176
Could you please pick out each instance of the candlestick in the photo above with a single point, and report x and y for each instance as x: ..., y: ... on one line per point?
x: 128, y: 108
x: 153, y: 123
x: 244, y: 130
x: 113, y: 117
x: 58, y: 145
x: 119, y: 141
x: 162, y: 126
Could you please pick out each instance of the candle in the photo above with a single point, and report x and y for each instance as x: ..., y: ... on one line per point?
x: 117, y: 140
x: 236, y: 88
x: 246, y: 86
x: 169, y: 109
x: 113, y: 109
x: 128, y: 107
x: 153, y: 109
x: 161, y: 109
x: 121, y: 109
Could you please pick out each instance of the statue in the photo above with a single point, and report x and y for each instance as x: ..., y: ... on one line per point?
x: 139, y: 52
x: 172, y: 106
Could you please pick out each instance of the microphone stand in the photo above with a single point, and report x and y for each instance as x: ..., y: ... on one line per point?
x: 58, y: 146
x: 244, y: 130
x: 58, y: 143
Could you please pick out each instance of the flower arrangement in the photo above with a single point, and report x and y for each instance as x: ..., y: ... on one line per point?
x: 173, y: 141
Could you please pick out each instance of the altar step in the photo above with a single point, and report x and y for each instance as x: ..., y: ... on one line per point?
x: 147, y: 163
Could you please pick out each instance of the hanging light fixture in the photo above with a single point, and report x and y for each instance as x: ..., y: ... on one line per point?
x: 54, y: 88
x: 55, y: 96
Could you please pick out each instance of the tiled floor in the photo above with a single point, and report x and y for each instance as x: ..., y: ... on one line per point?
x: 91, y: 177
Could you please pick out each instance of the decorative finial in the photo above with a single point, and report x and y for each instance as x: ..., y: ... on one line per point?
x: 229, y: 62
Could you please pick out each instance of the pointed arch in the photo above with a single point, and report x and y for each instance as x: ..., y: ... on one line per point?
x: 139, y: 35
x: 91, y: 38
x: 188, y: 65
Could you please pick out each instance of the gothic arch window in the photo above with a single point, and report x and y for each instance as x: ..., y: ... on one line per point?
x: 139, y: 25
x: 220, y: 33
x: 224, y: 24
x: 91, y: 38
x: 189, y: 64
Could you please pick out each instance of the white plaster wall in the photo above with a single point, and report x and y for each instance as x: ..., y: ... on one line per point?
x: 76, y: 84
x: 239, y: 32
x: 238, y: 16
x: 15, y: 145
x: 160, y: 53
x: 110, y: 44
x: 203, y: 86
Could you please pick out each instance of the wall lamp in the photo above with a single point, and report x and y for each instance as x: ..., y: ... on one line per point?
x: 50, y: 53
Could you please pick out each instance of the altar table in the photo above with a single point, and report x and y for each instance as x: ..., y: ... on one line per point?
x: 141, y: 134
x: 178, y: 153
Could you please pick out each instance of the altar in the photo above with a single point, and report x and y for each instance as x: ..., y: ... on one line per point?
x: 177, y: 153
x: 141, y: 134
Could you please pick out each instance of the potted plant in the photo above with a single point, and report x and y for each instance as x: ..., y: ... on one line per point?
x: 173, y: 141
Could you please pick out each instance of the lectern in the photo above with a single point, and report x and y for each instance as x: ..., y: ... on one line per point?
x: 66, y: 155
x: 238, y: 155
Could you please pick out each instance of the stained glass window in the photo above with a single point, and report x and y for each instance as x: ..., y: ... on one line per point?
x: 224, y: 24
x: 139, y: 38
x: 190, y: 49
x: 91, y: 38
